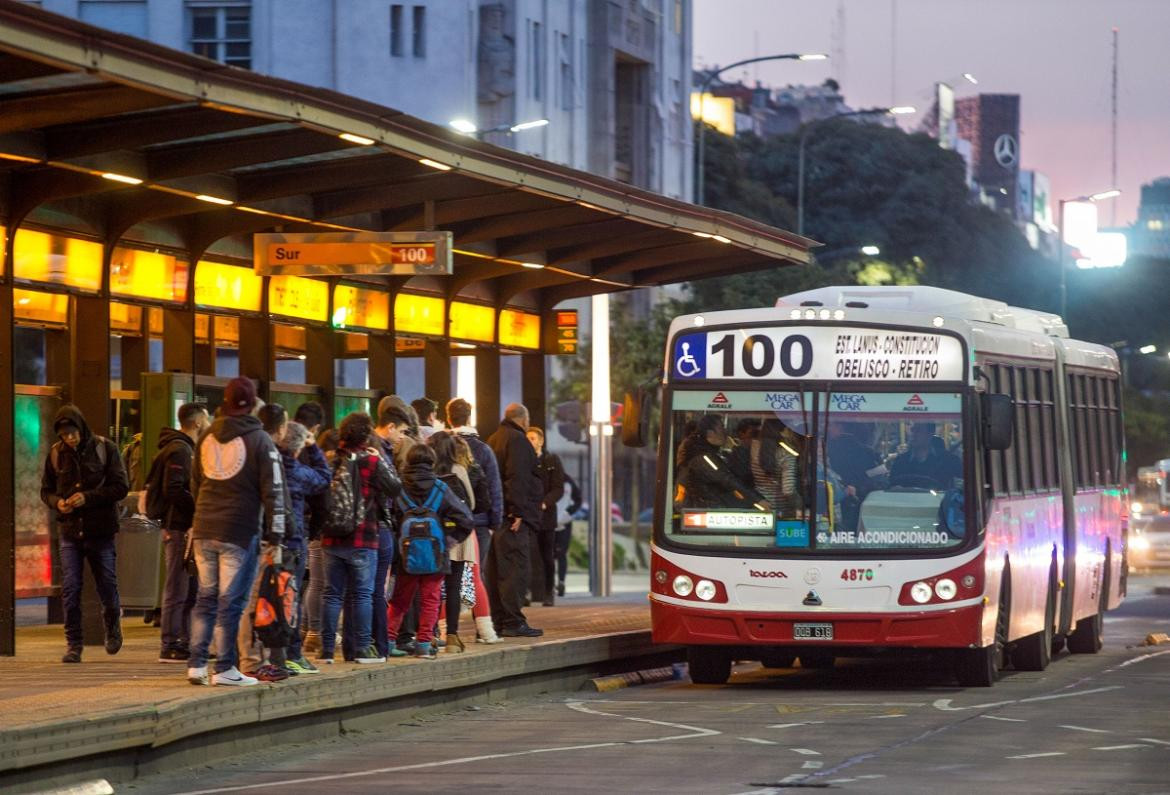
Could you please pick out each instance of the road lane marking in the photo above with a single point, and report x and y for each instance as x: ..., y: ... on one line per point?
x: 840, y: 780
x: 871, y: 776
x: 696, y: 731
x: 1152, y: 740
x: 812, y: 765
x: 1000, y: 717
x: 878, y: 704
x: 944, y: 704
x: 1071, y: 695
x: 793, y: 725
x: 1085, y: 729
x: 883, y: 717
x: 795, y: 777
x: 805, y: 751
x: 1119, y: 747
x: 1036, y: 756
x: 758, y: 741
x: 1136, y: 660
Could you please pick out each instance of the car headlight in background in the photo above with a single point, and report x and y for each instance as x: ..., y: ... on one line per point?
x: 1135, y: 508
x: 1139, y: 544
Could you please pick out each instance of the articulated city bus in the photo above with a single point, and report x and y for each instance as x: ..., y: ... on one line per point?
x: 862, y: 469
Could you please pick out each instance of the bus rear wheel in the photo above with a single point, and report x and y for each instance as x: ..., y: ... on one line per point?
x: 709, y: 665
x: 1089, y: 634
x: 1034, y: 652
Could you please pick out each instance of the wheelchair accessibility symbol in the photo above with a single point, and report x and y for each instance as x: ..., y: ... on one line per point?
x: 690, y: 356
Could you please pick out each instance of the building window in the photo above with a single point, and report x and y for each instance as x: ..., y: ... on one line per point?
x: 222, y: 33
x: 566, y: 58
x: 396, y: 30
x: 419, y: 32
x: 678, y: 17
x: 536, y: 74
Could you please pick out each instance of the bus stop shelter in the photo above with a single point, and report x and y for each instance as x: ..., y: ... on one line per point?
x: 132, y: 178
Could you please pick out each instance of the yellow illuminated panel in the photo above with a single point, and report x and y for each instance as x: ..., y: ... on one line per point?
x: 421, y: 314
x: 519, y: 329
x: 126, y: 318
x: 719, y: 112
x: 354, y: 306
x: 202, y: 328
x: 288, y: 338
x: 50, y: 259
x: 227, y: 331
x: 295, y: 296
x: 148, y: 274
x: 472, y: 322
x: 37, y: 307
x: 227, y: 287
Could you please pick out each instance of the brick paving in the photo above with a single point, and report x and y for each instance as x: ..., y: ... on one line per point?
x: 36, y: 688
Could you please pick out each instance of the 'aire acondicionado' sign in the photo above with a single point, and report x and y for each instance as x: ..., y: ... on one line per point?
x: 352, y: 253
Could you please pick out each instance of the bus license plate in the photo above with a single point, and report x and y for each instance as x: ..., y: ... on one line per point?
x: 812, y: 631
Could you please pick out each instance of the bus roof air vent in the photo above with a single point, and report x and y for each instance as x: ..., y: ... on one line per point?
x: 856, y: 305
x: 811, y: 303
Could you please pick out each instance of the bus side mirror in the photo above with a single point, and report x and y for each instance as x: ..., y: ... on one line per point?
x: 636, y: 418
x: 997, y: 421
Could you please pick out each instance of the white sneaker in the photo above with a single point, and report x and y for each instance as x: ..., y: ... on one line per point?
x: 198, y: 676
x: 233, y: 677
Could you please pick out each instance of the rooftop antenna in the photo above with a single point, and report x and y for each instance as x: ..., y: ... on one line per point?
x: 1113, y: 207
x: 893, y: 52
x: 837, y: 44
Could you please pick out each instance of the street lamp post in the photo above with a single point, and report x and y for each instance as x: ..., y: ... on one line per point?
x: 792, y: 56
x: 468, y: 127
x: 897, y: 110
x: 1094, y: 197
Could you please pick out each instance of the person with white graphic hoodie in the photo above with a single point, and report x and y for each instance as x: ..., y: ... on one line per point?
x: 237, y: 481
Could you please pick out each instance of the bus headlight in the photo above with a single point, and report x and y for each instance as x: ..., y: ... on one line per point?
x: 683, y: 585
x: 945, y: 589
x: 919, y: 592
x: 705, y: 590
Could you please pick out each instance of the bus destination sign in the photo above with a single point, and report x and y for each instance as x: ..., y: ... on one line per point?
x: 820, y: 353
x: 352, y: 253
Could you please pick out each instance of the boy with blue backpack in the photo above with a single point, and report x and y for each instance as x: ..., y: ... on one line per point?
x: 430, y: 519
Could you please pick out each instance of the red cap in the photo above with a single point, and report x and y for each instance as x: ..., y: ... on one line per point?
x: 239, y: 396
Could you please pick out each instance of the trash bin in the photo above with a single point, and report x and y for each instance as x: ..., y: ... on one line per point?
x: 139, y: 546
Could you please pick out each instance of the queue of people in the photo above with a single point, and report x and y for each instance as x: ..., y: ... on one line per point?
x: 287, y: 545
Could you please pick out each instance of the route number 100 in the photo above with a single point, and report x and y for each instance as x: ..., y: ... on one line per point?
x: 758, y: 355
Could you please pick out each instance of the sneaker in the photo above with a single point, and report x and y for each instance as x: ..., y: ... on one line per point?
x: 394, y: 651
x: 369, y: 655
x: 234, y: 678
x: 72, y: 655
x: 176, y: 656
x: 408, y: 646
x: 301, y: 666
x: 198, y: 676
x: 425, y: 651
x: 268, y: 673
x: 548, y: 602
x: 312, y: 644
x: 522, y: 631
x: 325, y: 659
x: 560, y: 589
x: 113, y: 634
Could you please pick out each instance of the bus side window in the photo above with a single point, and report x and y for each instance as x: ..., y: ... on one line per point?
x: 1115, y: 432
x: 1020, y: 443
x: 1048, y: 411
x: 1003, y: 384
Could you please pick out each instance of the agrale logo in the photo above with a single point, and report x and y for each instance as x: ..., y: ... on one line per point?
x: 776, y: 575
x: 916, y: 403
x: 720, y: 401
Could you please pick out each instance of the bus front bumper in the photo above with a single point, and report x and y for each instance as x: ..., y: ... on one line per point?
x: 942, y: 628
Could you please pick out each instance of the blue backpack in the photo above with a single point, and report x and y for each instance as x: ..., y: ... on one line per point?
x: 423, y: 548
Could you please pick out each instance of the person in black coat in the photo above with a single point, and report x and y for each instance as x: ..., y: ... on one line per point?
x: 508, y: 563
x: 82, y: 483
x: 543, y: 548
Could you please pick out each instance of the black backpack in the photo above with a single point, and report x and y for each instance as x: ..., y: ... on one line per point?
x: 154, y: 501
x: 345, y: 509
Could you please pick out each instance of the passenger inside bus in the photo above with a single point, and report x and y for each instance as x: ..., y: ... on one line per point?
x: 926, y: 464
x: 705, y: 480
x: 770, y: 461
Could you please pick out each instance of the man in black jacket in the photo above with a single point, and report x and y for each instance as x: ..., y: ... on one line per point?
x: 173, y: 467
x: 237, y: 481
x: 83, y: 482
x: 508, y: 563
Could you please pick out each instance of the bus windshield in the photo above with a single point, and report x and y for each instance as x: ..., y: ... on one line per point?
x: 816, y: 471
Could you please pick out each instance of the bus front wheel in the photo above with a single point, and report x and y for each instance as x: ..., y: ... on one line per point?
x: 980, y: 667
x: 709, y: 665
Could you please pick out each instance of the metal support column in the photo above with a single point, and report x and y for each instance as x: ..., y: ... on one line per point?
x: 179, y: 341
x: 257, y: 357
x: 89, y: 390
x: 532, y: 387
x: 437, y: 371
x: 135, y: 351
x: 601, y: 454
x: 382, y: 364
x: 7, y: 470
x: 319, y: 364
x: 486, y: 399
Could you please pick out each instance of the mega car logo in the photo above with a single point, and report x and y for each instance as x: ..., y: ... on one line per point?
x: 775, y: 575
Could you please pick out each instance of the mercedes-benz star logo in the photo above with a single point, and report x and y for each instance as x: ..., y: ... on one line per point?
x: 1007, y: 151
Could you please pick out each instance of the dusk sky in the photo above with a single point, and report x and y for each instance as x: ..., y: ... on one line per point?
x: 1055, y: 54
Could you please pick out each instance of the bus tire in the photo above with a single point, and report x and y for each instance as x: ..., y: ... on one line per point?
x: 777, y: 659
x: 709, y: 665
x: 980, y: 667
x: 817, y: 660
x: 1089, y: 634
x: 1034, y: 652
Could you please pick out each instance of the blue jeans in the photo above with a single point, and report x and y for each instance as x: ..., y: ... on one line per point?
x: 296, y: 546
x: 348, y: 570
x: 226, y: 573
x: 379, y: 601
x: 102, y: 559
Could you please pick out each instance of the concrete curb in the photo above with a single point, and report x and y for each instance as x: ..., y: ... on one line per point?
x: 307, y: 698
x: 608, y: 684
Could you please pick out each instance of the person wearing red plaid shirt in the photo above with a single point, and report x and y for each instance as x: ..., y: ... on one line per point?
x: 351, y: 561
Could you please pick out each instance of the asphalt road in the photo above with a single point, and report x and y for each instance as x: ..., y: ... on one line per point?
x: 1090, y: 723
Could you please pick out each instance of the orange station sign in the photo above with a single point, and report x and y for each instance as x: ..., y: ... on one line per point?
x: 353, y: 253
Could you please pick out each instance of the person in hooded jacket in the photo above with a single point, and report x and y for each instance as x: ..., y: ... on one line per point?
x: 417, y: 481
x: 705, y: 480
x: 239, y: 497
x: 82, y: 483
x: 176, y: 450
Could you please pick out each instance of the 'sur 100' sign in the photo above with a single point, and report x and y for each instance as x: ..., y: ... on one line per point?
x: 352, y: 253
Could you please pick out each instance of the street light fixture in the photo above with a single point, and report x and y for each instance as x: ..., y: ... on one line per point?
x: 1092, y: 197
x: 897, y: 110
x: 792, y: 56
x: 468, y: 127
x: 870, y: 251
x: 1148, y: 349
